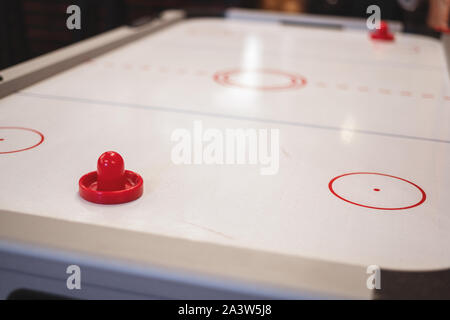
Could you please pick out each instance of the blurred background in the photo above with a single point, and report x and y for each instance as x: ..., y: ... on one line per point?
x: 29, y: 28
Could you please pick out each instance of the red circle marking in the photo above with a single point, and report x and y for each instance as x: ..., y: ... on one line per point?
x: 376, y: 189
x: 27, y: 129
x: 424, y: 196
x: 295, y: 81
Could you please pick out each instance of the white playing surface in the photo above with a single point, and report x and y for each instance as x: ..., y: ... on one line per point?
x: 366, y: 107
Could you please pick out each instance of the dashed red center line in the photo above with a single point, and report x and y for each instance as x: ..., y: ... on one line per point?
x: 320, y: 84
x: 363, y: 89
x: 201, y: 73
x: 146, y: 67
x: 406, y: 93
x: 428, y: 96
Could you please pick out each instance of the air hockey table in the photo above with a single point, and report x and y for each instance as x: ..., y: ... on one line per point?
x: 364, y: 162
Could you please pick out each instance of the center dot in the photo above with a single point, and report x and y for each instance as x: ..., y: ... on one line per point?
x: 376, y: 189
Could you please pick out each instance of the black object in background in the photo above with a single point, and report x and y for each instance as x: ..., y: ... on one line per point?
x: 29, y: 28
x: 414, y: 21
x: 13, y: 45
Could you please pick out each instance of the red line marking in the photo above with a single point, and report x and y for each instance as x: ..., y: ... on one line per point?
x: 1, y: 139
x: 363, y: 88
x: 427, y: 96
x: 405, y: 93
x: 320, y: 84
x: 201, y: 73
x: 376, y: 189
x: 224, y: 78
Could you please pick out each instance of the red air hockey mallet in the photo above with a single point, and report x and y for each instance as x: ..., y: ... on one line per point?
x: 111, y: 183
x: 382, y: 33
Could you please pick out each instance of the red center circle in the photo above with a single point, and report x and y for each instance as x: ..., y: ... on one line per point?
x: 23, y: 149
x: 294, y: 81
x: 422, y: 200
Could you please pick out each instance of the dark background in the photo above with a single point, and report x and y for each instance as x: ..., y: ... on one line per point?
x: 29, y: 28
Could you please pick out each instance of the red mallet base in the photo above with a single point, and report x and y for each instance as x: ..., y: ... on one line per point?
x: 111, y: 184
x: 382, y: 33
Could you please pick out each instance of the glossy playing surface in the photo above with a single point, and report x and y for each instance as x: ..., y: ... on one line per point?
x: 364, y: 174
